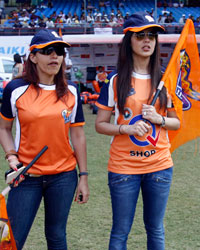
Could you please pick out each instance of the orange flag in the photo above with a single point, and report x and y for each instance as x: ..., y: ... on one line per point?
x: 7, y: 241
x: 182, y: 80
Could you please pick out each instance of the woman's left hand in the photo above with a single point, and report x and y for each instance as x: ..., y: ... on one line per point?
x: 149, y: 113
x: 82, y: 193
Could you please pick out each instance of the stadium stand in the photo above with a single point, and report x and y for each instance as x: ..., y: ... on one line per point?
x: 79, y: 17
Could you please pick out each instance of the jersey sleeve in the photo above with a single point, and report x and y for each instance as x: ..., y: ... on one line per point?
x: 6, y: 107
x: 11, y: 93
x: 106, y: 99
x: 77, y: 112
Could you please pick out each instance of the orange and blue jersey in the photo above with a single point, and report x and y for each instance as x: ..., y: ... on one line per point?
x: 131, y: 154
x: 42, y: 120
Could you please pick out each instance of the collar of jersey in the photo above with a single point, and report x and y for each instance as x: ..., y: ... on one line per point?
x: 47, y: 87
x: 141, y: 76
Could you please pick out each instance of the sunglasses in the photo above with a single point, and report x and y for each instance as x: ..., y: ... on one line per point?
x: 59, y: 50
x: 141, y: 35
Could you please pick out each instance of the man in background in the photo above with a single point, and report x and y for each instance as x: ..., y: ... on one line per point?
x: 68, y: 63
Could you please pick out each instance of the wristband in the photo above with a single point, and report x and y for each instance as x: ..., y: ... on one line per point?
x: 163, y: 121
x: 120, y: 128
x: 11, y: 152
x: 82, y: 173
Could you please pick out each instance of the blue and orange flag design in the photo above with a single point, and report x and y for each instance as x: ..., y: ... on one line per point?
x: 7, y: 241
x: 182, y: 80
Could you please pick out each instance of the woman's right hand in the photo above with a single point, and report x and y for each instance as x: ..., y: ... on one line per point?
x: 140, y: 128
x: 13, y: 161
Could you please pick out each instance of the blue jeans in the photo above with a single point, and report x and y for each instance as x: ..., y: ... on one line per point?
x: 124, y: 191
x: 23, y: 202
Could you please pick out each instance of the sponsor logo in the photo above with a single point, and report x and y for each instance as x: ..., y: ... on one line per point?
x: 149, y: 18
x: 146, y: 153
x: 150, y: 139
x: 55, y: 34
x: 12, y: 50
x: 66, y: 114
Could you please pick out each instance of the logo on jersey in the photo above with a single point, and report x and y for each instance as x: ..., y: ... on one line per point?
x: 127, y: 113
x: 131, y: 92
x: 150, y: 139
x: 184, y: 89
x: 67, y: 114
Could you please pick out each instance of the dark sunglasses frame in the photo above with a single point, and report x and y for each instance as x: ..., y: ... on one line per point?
x: 141, y: 35
x: 59, y: 50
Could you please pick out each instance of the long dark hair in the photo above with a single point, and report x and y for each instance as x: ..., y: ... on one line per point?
x: 31, y: 76
x: 17, y: 59
x: 125, y: 68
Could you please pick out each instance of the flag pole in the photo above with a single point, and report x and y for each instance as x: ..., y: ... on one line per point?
x: 8, y: 188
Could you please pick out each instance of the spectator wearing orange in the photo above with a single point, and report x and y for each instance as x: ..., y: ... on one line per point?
x: 101, y: 76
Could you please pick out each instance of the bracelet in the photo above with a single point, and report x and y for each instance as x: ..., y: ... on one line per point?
x: 163, y: 121
x: 120, y: 129
x: 11, y: 152
x: 12, y: 158
x: 82, y: 173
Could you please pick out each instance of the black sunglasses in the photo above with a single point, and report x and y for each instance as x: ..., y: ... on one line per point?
x: 141, y: 35
x: 59, y: 50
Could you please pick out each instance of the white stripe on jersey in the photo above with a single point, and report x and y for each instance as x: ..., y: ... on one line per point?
x: 73, y: 90
x: 16, y: 93
x: 111, y: 102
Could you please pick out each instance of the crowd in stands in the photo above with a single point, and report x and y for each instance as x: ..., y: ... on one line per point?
x: 32, y: 17
x: 167, y: 17
x: 27, y: 18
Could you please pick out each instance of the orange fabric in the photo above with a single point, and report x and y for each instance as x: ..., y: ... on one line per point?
x: 7, y: 241
x: 96, y: 86
x: 57, y: 159
x: 182, y: 80
x: 133, y: 154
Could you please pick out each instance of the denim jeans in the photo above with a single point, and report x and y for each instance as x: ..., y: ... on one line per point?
x: 23, y: 202
x: 124, y: 191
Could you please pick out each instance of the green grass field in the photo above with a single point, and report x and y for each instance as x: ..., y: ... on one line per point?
x: 89, y: 225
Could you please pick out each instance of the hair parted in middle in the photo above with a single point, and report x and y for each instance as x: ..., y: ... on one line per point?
x: 31, y: 75
x: 125, y: 67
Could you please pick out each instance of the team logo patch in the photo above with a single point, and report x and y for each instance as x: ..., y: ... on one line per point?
x: 131, y: 92
x: 127, y: 113
x: 67, y: 114
x: 184, y: 89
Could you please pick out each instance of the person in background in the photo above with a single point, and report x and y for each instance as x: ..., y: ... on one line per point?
x: 101, y: 76
x: 68, y: 63
x: 24, y: 59
x: 50, y: 23
x: 17, y: 67
x: 48, y: 111
x: 140, y: 158
x: 182, y: 20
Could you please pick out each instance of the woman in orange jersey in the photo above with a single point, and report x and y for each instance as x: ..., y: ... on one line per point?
x: 46, y: 108
x: 139, y: 155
